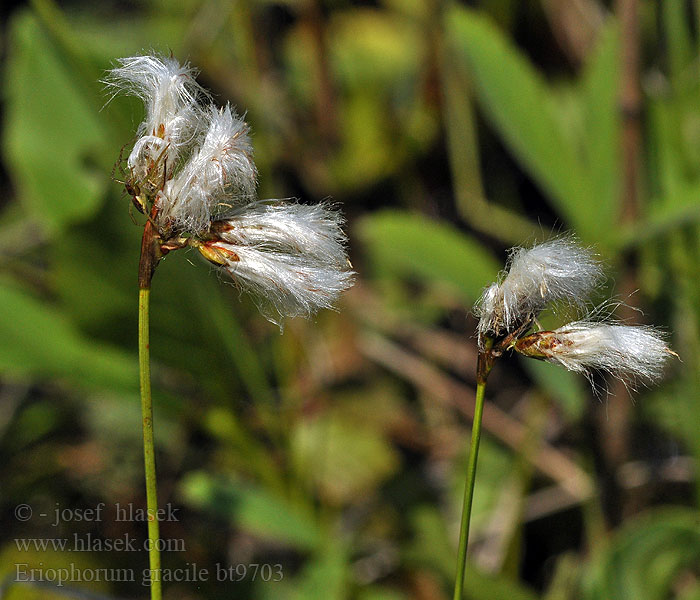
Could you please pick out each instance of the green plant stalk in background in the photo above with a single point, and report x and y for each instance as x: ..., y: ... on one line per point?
x: 146, y: 269
x: 484, y: 364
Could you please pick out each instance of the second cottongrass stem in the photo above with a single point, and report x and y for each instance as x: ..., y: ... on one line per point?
x: 559, y: 271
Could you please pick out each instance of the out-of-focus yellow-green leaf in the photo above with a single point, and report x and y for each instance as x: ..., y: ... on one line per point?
x: 380, y: 593
x: 676, y: 408
x: 368, y: 151
x: 343, y: 457
x: 408, y: 244
x: 371, y: 47
x: 76, y: 571
x: 52, y: 133
x: 430, y: 546
x: 495, y: 467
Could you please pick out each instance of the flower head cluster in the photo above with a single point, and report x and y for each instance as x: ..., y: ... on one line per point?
x: 556, y: 271
x: 191, y: 171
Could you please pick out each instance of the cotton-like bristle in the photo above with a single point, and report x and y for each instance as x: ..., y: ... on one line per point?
x: 165, y: 86
x: 557, y: 270
x: 192, y: 171
x: 219, y: 175
x: 173, y: 115
x: 291, y: 257
x: 630, y: 353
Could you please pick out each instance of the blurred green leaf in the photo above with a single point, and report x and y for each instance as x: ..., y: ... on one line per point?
x: 602, y: 128
x: 38, y: 341
x: 51, y: 133
x: 368, y: 151
x: 380, y: 593
x: 94, y: 280
x: 401, y: 243
x: 495, y: 468
x: 18, y: 565
x: 676, y: 408
x: 674, y: 19
x: 33, y: 423
x: 325, y: 576
x: 251, y: 508
x: 520, y: 105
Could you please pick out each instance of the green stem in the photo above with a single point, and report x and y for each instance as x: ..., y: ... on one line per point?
x: 148, y: 447
x: 483, y: 369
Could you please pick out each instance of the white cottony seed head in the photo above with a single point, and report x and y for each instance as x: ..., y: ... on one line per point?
x: 291, y: 257
x: 557, y: 270
x: 630, y: 353
x: 193, y: 161
x: 192, y: 172
x: 173, y: 116
x: 219, y: 174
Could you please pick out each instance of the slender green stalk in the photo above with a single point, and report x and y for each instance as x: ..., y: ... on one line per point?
x: 469, y: 491
x: 483, y: 368
x: 148, y: 447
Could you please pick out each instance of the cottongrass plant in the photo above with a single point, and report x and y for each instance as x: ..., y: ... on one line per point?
x: 191, y: 173
x: 557, y: 272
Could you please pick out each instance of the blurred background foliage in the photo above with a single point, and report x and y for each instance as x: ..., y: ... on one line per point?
x: 449, y: 132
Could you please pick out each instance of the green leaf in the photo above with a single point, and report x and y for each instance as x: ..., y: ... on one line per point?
x: 253, y: 509
x: 368, y: 150
x: 39, y: 341
x: 325, y: 577
x: 51, y: 132
x: 380, y: 593
x: 520, y: 106
x: 401, y: 243
x: 602, y: 126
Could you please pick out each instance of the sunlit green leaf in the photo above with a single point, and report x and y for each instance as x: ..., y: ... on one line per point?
x: 52, y: 132
x: 600, y: 94
x: 520, y: 105
x: 402, y: 243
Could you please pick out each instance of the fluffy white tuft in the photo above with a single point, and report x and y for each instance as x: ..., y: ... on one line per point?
x: 291, y: 257
x: 192, y: 169
x: 557, y: 270
x: 173, y: 115
x: 630, y: 353
x: 218, y: 175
